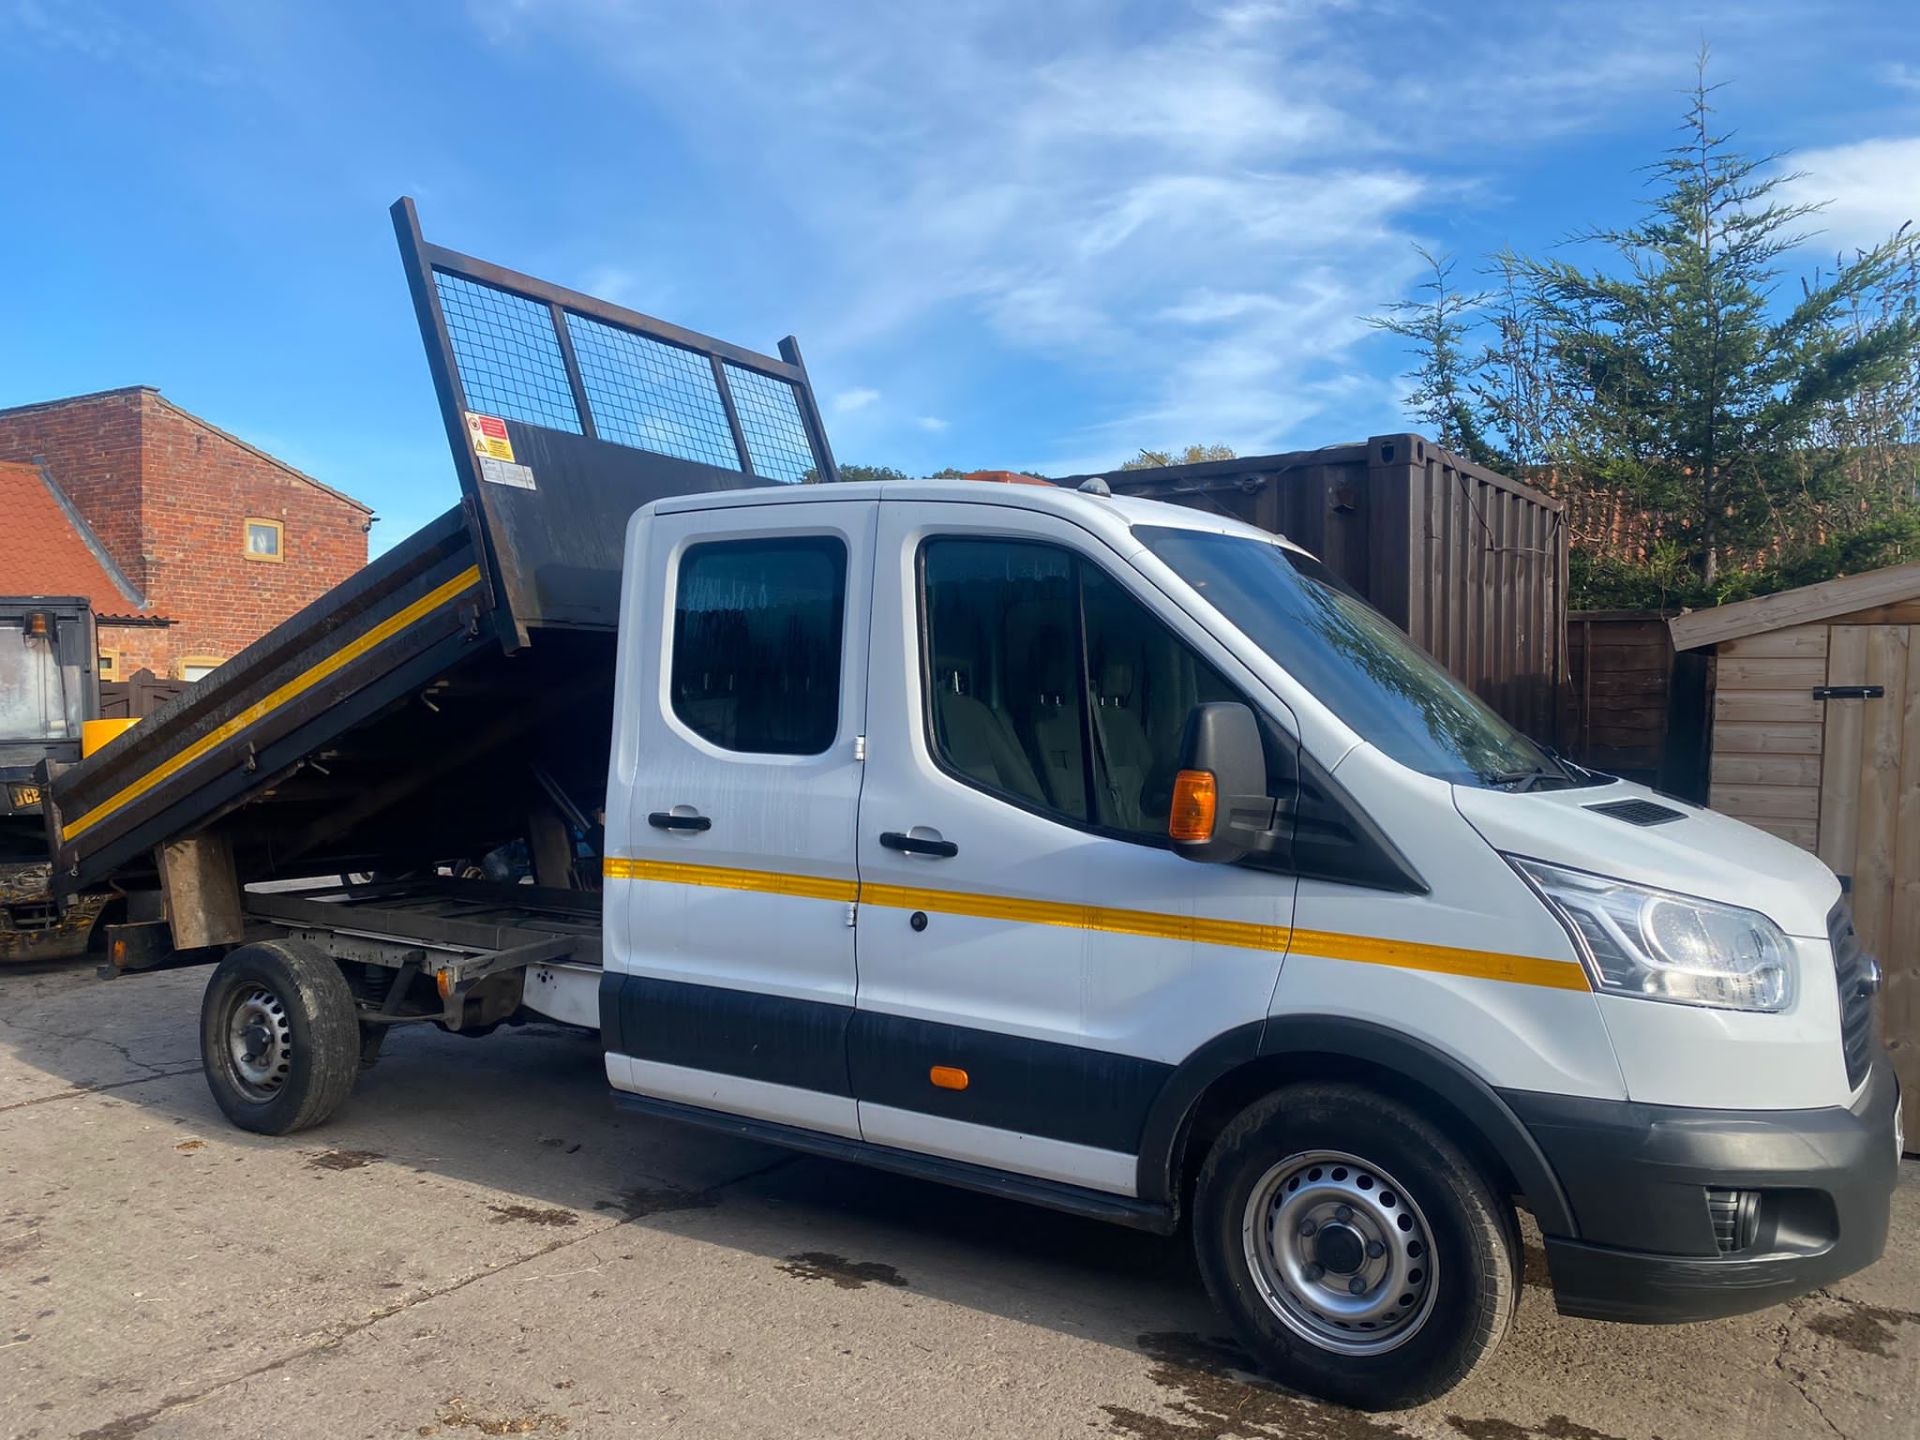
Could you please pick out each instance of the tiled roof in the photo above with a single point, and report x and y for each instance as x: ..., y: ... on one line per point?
x: 46, y: 548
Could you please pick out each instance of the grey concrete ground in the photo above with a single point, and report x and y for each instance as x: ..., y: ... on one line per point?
x: 479, y: 1245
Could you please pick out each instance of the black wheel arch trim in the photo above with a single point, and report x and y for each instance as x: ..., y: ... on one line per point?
x: 1164, y: 1138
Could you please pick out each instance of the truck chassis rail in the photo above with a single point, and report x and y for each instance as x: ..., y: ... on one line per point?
x: 472, y: 940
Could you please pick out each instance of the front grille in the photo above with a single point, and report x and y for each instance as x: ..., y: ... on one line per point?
x: 36, y: 915
x: 1853, y: 969
x: 1736, y: 1218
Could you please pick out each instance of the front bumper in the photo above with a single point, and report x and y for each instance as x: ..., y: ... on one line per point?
x: 1638, y: 1177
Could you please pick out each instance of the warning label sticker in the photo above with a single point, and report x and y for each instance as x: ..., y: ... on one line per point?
x: 489, y: 436
x: 505, y: 472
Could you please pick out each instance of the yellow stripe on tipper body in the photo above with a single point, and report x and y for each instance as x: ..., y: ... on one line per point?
x: 292, y: 689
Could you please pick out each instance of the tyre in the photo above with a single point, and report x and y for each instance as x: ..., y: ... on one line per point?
x: 1358, y: 1252
x: 279, y: 1036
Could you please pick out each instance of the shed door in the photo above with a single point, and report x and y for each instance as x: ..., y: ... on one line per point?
x: 1870, y: 815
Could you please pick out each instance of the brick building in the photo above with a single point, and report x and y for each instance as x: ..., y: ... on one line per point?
x: 207, y: 542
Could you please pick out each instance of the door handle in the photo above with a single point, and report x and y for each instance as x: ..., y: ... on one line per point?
x: 666, y: 820
x: 914, y: 845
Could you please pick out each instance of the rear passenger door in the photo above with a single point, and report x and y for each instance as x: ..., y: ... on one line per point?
x: 1034, y: 960
x: 731, y: 870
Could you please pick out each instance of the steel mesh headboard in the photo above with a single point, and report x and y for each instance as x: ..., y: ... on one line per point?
x: 567, y: 413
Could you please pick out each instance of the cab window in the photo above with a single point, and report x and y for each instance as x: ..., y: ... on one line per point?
x: 1049, y: 685
x: 757, y: 630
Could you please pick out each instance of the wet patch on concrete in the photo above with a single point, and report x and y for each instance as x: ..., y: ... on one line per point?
x: 342, y: 1159
x: 842, y: 1273
x: 1863, y: 1328
x: 1554, y: 1427
x: 1213, y: 1395
x: 528, y: 1215
x: 117, y: 1429
x: 639, y: 1203
x: 457, y: 1415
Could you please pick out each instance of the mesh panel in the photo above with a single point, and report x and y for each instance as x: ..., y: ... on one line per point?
x: 508, y: 355
x: 770, y: 419
x: 651, y: 395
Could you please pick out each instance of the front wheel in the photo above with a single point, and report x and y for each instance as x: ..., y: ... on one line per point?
x: 1360, y: 1255
x: 279, y: 1036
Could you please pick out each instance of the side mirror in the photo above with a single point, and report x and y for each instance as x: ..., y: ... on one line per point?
x: 1221, y: 809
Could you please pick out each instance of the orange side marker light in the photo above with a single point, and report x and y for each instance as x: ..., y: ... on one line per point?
x: 1190, y: 819
x: 948, y: 1077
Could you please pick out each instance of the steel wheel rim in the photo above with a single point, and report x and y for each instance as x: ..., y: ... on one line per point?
x: 259, y: 1043
x: 1340, y: 1252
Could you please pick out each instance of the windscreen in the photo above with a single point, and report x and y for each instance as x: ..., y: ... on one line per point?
x: 34, y: 699
x: 1354, y: 660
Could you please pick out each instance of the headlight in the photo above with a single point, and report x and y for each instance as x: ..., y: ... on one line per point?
x: 1660, y: 946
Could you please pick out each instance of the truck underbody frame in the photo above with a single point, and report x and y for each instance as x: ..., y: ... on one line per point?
x: 467, y: 942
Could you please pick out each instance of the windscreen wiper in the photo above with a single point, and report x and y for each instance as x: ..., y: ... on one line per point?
x: 1522, y: 781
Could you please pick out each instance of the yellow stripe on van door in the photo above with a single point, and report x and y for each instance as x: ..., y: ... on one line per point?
x: 260, y: 709
x: 725, y: 877
x: 1154, y: 924
x: 1360, y: 949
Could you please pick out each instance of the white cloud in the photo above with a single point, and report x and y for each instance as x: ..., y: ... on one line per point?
x: 932, y: 424
x: 845, y: 402
x: 1899, y: 75
x: 1184, y: 207
x: 1868, y: 189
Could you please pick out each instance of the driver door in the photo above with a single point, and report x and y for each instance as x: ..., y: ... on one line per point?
x: 1033, y: 960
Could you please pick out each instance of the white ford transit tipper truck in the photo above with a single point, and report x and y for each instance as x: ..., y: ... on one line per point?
x: 1090, y: 851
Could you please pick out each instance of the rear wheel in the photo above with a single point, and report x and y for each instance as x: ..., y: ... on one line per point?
x: 279, y: 1036
x: 1359, y: 1253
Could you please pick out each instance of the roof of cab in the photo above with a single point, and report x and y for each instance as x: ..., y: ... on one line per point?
x: 1114, y: 513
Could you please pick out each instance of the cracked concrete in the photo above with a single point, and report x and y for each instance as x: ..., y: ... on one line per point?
x: 506, y: 1254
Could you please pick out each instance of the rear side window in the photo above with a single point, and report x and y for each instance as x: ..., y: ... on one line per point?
x: 757, y: 643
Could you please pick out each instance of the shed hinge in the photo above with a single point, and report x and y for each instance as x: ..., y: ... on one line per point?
x: 1849, y: 692
x: 859, y: 747
x: 853, y: 915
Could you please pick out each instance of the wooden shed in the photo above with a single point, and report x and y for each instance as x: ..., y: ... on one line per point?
x: 1816, y: 737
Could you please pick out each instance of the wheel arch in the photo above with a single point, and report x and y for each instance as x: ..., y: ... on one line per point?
x: 1233, y: 1069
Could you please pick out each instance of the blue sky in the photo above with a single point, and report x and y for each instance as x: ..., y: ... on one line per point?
x: 1006, y: 234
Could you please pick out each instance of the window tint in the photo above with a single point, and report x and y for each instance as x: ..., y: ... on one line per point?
x: 756, y: 643
x: 1006, y: 702
x: 1143, y: 680
x: 1081, y: 719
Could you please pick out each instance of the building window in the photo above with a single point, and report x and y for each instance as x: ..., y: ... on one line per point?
x: 109, y: 664
x: 264, y: 539
x: 197, y: 667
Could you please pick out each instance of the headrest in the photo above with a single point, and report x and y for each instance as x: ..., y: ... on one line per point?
x: 953, y: 672
x: 1050, y: 661
x: 1116, y: 679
